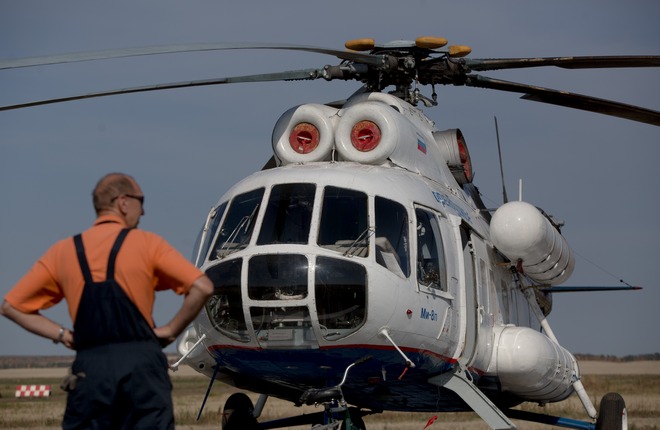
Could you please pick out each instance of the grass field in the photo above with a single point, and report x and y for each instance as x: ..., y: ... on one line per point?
x: 641, y: 392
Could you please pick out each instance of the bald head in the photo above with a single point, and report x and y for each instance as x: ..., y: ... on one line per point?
x: 110, y: 187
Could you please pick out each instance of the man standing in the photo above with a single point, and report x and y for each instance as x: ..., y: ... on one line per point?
x: 108, y: 276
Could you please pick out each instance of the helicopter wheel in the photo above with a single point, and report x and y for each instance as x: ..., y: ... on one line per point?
x: 356, y: 420
x: 237, y: 413
x: 612, y: 414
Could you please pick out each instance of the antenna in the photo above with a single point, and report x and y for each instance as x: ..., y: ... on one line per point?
x: 499, y: 153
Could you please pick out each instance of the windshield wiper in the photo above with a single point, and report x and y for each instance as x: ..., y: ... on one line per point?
x: 363, y: 237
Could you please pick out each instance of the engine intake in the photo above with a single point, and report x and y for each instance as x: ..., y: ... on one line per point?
x: 305, y: 133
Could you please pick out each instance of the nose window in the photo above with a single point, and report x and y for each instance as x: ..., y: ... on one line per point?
x: 283, y: 327
x: 341, y: 296
x: 225, y: 307
x: 277, y: 277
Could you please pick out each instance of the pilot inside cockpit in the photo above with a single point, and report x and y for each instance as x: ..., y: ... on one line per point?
x: 428, y: 267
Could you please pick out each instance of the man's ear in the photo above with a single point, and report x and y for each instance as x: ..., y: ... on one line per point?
x: 122, y: 205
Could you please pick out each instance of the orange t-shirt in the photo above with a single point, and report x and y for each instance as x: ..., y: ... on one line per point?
x: 146, y: 263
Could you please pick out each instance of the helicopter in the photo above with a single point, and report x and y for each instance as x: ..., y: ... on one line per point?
x: 360, y: 269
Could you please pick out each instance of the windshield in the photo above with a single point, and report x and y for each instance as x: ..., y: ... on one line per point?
x: 239, y: 223
x: 288, y: 214
x: 344, y: 221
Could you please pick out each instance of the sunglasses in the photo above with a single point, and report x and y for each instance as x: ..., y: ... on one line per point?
x: 138, y: 198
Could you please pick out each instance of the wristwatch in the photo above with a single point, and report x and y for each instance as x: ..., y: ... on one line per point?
x: 60, y: 336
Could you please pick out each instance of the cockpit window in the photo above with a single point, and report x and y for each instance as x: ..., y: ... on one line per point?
x: 206, y: 234
x: 344, y: 223
x: 239, y: 223
x: 288, y: 215
x: 392, y: 244
x: 431, y: 271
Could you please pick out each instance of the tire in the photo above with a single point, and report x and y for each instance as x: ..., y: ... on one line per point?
x: 237, y: 413
x: 612, y: 414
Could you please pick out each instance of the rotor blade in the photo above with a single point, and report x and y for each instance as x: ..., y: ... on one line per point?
x: 564, y: 62
x: 569, y: 289
x: 308, y: 74
x: 567, y: 99
x: 169, y: 49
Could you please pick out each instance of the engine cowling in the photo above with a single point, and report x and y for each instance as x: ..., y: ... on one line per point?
x: 372, y: 131
x: 305, y: 133
x: 455, y: 151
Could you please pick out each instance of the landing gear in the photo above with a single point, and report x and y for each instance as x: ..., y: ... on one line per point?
x: 238, y: 413
x: 612, y: 414
x: 356, y: 421
x: 336, y: 410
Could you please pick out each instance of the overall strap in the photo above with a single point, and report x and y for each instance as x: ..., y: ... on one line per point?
x: 82, y: 260
x: 106, y: 315
x: 110, y: 274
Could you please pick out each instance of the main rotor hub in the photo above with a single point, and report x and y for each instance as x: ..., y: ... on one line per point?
x: 406, y: 63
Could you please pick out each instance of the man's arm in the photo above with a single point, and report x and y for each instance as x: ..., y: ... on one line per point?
x: 195, y: 299
x: 38, y: 324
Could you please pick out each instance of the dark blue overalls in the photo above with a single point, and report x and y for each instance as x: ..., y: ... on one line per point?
x: 122, y: 380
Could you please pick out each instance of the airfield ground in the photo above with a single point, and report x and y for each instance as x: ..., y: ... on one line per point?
x: 637, y: 381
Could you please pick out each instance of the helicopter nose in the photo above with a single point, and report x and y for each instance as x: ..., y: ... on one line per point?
x: 292, y: 299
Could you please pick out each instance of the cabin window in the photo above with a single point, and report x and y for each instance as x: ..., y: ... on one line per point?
x: 238, y: 226
x: 431, y: 268
x: 340, y: 289
x: 392, y: 248
x: 344, y: 225
x: 225, y: 307
x: 277, y: 277
x: 288, y: 215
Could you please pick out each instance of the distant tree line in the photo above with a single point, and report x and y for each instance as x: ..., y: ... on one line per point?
x: 34, y: 361
x: 614, y: 358
x: 46, y: 361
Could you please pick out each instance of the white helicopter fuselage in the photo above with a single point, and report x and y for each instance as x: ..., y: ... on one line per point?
x: 346, y: 250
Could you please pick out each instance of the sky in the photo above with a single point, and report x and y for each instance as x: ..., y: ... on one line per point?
x: 187, y: 147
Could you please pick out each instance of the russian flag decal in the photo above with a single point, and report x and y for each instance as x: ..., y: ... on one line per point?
x: 421, y: 145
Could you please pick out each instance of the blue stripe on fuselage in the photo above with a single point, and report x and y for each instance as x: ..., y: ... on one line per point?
x: 374, y: 384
